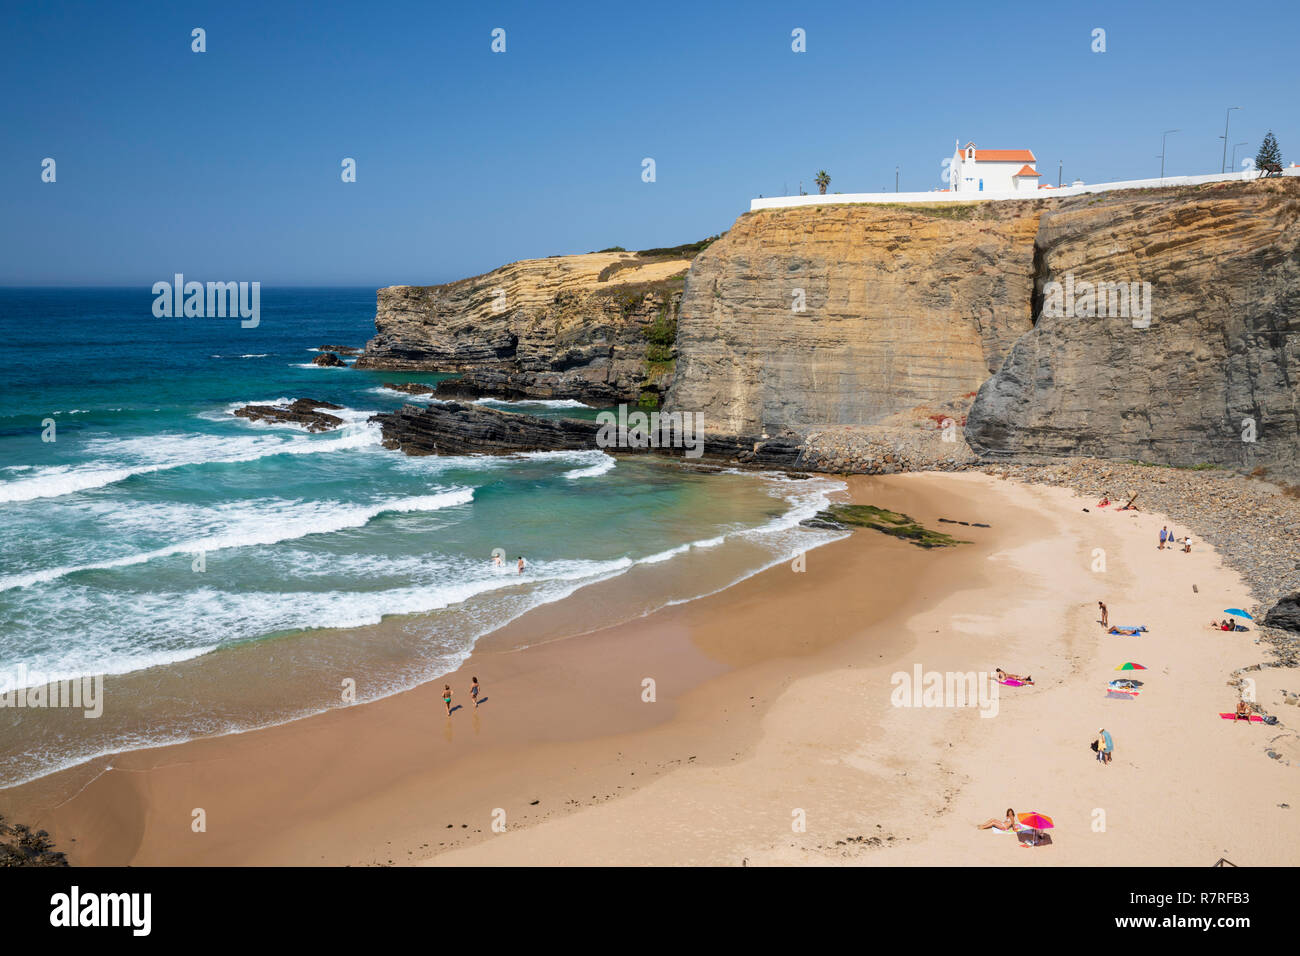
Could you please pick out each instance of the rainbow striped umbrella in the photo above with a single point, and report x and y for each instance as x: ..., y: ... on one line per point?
x: 1130, y: 666
x: 1036, y: 821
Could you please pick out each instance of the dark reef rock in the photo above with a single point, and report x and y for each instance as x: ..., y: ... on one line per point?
x: 305, y: 412
x: 456, y: 429
x: 340, y: 349
x: 1285, y: 613
x: 410, y: 388
x: 329, y: 359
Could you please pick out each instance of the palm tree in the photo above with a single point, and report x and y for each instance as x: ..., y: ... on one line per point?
x: 823, y: 180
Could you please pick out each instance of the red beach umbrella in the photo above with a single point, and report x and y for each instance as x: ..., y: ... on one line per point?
x: 1036, y: 821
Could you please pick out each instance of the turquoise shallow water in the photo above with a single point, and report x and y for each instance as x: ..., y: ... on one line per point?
x: 157, y: 529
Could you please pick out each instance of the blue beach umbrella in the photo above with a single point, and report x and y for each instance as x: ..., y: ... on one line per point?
x: 1237, y: 612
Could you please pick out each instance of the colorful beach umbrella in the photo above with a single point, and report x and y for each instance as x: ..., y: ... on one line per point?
x: 1130, y: 666
x: 1237, y: 612
x: 1036, y: 821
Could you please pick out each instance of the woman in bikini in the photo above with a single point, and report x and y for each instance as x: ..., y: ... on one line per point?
x: 473, y: 692
x: 1004, y: 677
x: 993, y: 823
x: 446, y: 698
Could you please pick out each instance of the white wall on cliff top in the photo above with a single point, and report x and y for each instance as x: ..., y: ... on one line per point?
x: 786, y: 202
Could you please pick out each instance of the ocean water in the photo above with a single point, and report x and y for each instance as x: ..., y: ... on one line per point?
x: 220, y: 574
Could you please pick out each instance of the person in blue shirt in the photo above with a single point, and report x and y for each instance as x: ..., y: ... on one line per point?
x: 1109, y: 745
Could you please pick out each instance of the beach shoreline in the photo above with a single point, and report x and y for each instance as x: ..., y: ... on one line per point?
x: 772, y: 697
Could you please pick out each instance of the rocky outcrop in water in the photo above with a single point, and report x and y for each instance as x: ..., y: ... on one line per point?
x: 1212, y: 379
x: 304, y: 411
x: 598, y: 328
x: 410, y: 388
x: 456, y: 429
x: 329, y: 360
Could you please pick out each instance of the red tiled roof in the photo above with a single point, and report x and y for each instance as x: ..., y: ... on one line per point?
x: 1027, y: 171
x: 1004, y: 156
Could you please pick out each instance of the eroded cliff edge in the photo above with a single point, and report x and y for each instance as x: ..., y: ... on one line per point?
x: 598, y: 328
x: 1219, y: 362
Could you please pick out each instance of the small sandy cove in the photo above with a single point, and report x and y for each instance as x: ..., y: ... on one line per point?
x: 772, y: 738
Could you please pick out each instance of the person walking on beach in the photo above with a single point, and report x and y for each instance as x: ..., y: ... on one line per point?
x: 1106, y: 746
x: 1187, y: 545
x: 521, y: 564
x: 1105, y: 615
x: 446, y: 698
x: 473, y: 691
x: 1164, y: 536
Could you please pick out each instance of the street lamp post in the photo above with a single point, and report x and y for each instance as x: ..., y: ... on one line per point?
x: 895, y: 179
x: 1234, y: 154
x: 1163, y: 136
x: 1226, y: 116
x: 1060, y: 166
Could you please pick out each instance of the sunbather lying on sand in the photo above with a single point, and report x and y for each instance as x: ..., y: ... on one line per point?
x: 1126, y: 630
x: 1005, y: 676
x: 993, y: 823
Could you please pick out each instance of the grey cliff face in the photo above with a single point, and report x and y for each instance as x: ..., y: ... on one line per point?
x: 1219, y: 362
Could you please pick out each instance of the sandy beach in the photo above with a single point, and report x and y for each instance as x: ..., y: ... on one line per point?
x: 772, y: 706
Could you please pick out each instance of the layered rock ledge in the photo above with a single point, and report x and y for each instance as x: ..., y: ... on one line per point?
x: 1211, y: 379
x: 457, y: 429
x: 598, y: 328
x: 304, y: 411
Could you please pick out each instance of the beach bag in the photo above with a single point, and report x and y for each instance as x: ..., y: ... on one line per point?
x: 1094, y: 746
x: 1270, y: 719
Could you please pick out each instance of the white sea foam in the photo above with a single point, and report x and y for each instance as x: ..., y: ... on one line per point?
x: 262, y: 527
x: 179, y: 450
x: 404, y: 397
x: 544, y: 402
x: 592, y: 471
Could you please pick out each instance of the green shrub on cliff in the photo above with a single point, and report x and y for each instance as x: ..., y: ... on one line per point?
x: 687, y: 250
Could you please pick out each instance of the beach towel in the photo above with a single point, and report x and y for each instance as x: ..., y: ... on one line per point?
x: 1130, y: 627
x: 1014, y: 683
x: 1255, y: 718
x: 1114, y: 694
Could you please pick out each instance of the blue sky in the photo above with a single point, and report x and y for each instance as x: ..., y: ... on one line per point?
x: 225, y: 165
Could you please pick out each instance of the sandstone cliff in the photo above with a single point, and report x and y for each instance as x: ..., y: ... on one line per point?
x: 596, y: 327
x: 904, y: 306
x: 1222, y: 349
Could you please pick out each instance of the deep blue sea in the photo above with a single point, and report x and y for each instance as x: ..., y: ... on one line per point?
x: 147, y: 534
